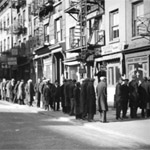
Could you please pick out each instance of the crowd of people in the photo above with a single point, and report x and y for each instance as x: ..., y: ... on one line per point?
x: 135, y: 94
x: 80, y: 99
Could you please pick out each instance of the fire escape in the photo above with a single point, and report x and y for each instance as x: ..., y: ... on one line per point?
x: 86, y: 39
x: 40, y: 9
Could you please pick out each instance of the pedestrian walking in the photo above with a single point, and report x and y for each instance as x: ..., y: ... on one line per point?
x: 102, y: 99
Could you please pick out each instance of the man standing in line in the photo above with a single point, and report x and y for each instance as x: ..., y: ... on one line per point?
x: 125, y: 97
x: 134, y: 96
x: 119, y: 98
x: 37, y: 91
x: 102, y: 98
x: 91, y: 100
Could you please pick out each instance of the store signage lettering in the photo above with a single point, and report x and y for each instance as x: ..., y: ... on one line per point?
x: 112, y: 48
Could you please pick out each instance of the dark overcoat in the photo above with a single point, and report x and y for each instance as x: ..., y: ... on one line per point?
x: 37, y: 92
x: 30, y: 92
x: 76, y: 95
x: 144, y: 94
x: 102, y: 96
x: 91, y: 99
x: 83, y: 97
x: 134, y: 95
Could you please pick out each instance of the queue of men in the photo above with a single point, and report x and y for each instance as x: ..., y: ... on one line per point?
x: 79, y: 98
x: 135, y: 94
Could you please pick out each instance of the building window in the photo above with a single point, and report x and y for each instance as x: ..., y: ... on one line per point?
x: 58, y: 29
x: 72, y: 37
x: 7, y: 19
x: 1, y: 46
x: 8, y: 43
x: 4, y: 23
x: 114, y: 25
x: 138, y: 11
x: 23, y: 17
x: 46, y: 32
x: 4, y: 45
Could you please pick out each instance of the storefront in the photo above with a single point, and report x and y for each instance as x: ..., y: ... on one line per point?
x: 110, y: 64
x: 137, y: 63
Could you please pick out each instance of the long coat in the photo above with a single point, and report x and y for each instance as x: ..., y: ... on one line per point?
x: 46, y: 94
x: 144, y: 94
x: 30, y: 92
x: 134, y: 95
x: 91, y: 99
x: 83, y: 98
x: 21, y: 91
x: 37, y: 93
x: 76, y: 95
x: 102, y: 96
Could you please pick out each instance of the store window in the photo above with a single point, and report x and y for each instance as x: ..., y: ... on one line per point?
x: 138, y: 11
x: 113, y: 74
x: 114, y: 25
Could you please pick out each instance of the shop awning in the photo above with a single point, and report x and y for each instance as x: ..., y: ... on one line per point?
x: 109, y: 57
x: 41, y: 56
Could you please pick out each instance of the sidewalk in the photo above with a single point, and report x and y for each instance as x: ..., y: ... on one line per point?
x: 134, y: 129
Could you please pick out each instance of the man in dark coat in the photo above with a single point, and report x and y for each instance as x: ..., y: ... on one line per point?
x: 125, y: 98
x: 91, y: 100
x: 83, y: 99
x: 119, y: 99
x: 72, y: 103
x: 144, y: 96
x: 57, y: 96
x: 134, y: 97
x: 37, y: 92
x: 66, y: 93
x: 63, y: 96
x: 102, y: 98
x: 148, y: 102
x: 46, y: 95
x: 76, y: 95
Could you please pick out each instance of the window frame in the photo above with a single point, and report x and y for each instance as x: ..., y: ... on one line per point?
x: 134, y: 17
x: 112, y: 25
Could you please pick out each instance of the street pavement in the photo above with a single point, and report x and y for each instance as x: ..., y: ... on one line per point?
x: 136, y: 130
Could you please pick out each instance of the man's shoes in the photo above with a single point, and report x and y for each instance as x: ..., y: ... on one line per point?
x: 118, y: 118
